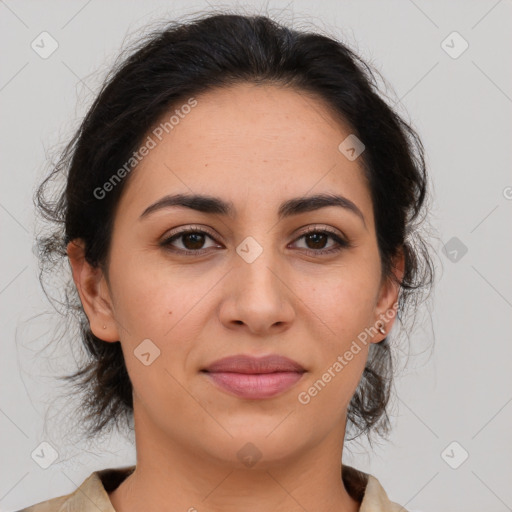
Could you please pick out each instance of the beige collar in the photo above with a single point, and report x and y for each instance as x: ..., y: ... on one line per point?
x: 92, y: 495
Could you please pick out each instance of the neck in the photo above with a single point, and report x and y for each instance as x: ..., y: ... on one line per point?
x: 175, y: 477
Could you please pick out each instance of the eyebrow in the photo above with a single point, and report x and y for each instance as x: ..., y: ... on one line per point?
x: 216, y: 205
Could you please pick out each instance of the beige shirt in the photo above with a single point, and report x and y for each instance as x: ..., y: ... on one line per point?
x: 92, y: 495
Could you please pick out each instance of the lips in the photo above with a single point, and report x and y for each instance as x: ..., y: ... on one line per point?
x: 254, y: 377
x: 248, y: 364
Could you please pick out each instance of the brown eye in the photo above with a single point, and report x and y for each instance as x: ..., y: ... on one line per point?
x: 316, y: 241
x: 192, y: 242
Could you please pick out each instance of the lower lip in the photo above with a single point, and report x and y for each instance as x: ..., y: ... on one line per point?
x: 255, y: 386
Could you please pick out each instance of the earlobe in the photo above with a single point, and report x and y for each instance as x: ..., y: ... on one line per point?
x: 93, y: 291
x: 387, y: 305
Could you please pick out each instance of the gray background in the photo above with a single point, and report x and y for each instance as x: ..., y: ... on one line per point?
x: 454, y: 380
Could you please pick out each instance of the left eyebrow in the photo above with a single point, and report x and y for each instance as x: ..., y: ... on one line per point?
x: 304, y: 204
x: 216, y: 205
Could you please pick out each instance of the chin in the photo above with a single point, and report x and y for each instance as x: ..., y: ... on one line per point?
x: 256, y: 448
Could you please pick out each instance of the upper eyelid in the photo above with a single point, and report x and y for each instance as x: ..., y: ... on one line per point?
x: 319, y: 227
x: 189, y: 229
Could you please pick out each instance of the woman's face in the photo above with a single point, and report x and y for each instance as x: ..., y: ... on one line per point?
x: 249, y: 282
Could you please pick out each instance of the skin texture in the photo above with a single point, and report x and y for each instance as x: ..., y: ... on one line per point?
x: 255, y: 146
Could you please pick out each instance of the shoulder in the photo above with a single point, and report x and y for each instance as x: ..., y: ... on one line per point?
x: 90, y: 496
x: 376, y: 498
x: 52, y: 505
x: 367, y: 489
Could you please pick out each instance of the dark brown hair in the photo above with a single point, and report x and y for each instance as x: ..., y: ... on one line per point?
x: 178, y: 62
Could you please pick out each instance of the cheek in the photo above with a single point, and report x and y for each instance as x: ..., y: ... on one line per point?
x: 328, y: 393
x: 152, y: 298
x: 342, y: 300
x: 344, y: 310
x: 163, y: 306
x: 157, y: 315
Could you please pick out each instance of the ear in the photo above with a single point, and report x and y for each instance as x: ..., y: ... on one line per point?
x: 94, y: 293
x: 387, y: 303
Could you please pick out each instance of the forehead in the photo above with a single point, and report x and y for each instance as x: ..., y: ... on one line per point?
x: 251, y: 144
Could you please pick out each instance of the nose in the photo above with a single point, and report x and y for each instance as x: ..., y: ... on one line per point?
x: 258, y: 297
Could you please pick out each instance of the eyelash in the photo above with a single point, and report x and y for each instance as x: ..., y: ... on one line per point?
x: 341, y: 243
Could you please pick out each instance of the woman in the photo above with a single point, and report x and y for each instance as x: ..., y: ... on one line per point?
x: 238, y: 216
